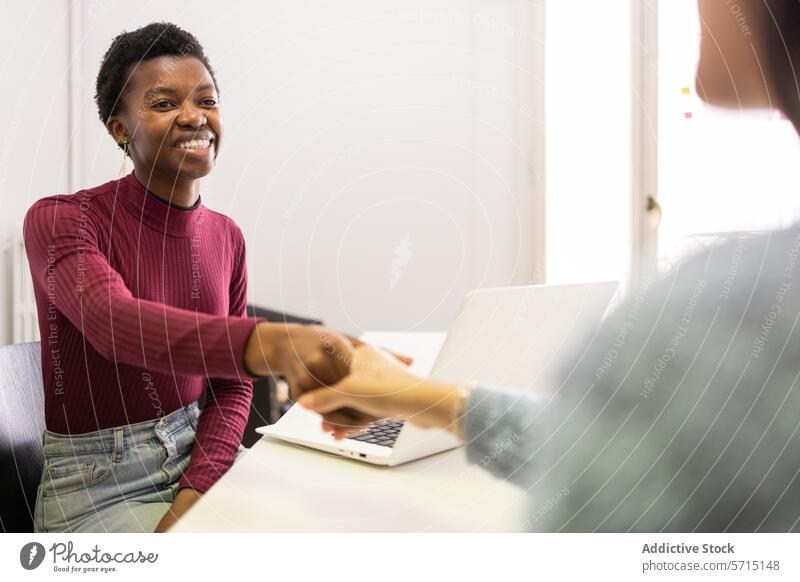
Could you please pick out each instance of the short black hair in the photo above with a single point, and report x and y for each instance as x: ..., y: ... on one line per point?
x: 130, y: 48
x: 783, y: 45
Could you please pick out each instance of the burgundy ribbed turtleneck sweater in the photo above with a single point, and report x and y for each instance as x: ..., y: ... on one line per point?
x: 141, y: 307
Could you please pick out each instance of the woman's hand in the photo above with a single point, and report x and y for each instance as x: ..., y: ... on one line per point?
x: 184, y: 499
x: 378, y: 386
x: 307, y: 356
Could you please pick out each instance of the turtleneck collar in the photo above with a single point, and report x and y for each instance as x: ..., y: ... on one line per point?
x: 157, y: 213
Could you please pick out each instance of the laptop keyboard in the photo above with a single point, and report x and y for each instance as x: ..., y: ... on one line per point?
x: 382, y: 432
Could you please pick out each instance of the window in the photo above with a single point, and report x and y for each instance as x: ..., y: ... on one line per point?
x: 588, y: 120
x: 718, y: 171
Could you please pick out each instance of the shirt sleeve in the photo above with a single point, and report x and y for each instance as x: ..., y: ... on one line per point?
x: 227, y: 406
x: 65, y: 257
x: 504, y: 431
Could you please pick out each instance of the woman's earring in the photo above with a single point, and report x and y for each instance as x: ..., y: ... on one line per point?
x: 123, y: 169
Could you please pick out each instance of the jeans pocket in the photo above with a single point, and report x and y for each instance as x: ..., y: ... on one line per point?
x: 67, y: 473
x: 64, y: 475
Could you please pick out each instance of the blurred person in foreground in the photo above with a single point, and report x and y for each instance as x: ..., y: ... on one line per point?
x: 681, y: 414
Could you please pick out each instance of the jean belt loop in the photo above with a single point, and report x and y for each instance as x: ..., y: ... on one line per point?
x: 192, y: 414
x: 119, y: 443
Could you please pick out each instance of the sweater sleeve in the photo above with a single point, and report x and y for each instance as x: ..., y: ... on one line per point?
x: 65, y: 257
x: 505, y: 432
x: 227, y: 404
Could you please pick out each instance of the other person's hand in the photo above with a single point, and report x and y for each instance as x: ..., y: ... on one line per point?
x: 379, y: 386
x: 407, y: 360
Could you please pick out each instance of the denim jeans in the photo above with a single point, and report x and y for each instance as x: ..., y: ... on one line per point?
x: 120, y: 479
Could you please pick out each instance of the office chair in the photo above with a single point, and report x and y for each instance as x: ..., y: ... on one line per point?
x: 267, y: 407
x: 21, y: 427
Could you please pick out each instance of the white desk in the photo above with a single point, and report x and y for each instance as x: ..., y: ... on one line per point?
x: 280, y: 487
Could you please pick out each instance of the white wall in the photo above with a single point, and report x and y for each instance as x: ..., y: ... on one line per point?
x: 370, y: 149
x: 34, y: 134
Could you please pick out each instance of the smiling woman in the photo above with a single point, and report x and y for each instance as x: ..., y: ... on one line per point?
x: 141, y: 295
x: 165, y: 116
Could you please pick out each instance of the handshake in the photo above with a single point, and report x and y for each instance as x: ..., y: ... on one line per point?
x: 312, y: 358
x: 349, y: 383
x: 306, y: 356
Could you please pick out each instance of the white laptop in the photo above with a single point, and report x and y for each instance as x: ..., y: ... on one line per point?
x: 514, y: 337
